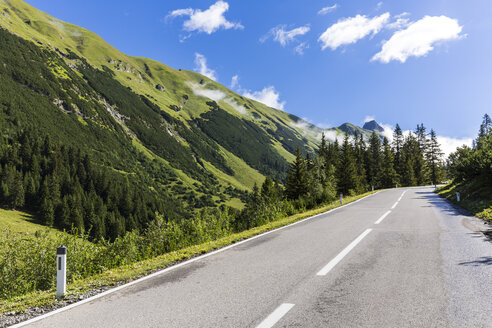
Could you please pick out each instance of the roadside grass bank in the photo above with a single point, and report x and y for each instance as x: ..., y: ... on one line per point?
x: 43, y: 301
x: 475, y: 197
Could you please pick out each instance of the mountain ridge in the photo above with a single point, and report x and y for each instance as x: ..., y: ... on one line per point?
x: 177, y: 107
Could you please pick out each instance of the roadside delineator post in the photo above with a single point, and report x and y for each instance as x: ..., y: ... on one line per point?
x: 372, y: 188
x: 458, y: 196
x: 61, y: 271
x: 396, y: 185
x: 341, y: 199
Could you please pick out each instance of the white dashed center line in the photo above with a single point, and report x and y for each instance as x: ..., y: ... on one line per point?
x: 382, y: 217
x: 342, y: 254
x: 276, y: 315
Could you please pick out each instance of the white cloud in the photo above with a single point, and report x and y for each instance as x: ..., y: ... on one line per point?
x: 207, y: 21
x: 283, y: 36
x: 419, y: 38
x: 449, y: 145
x: 201, y: 67
x: 234, y: 81
x: 352, y: 29
x: 402, y: 21
x: 216, y: 95
x: 299, y: 49
x: 326, y: 10
x: 369, y: 118
x: 268, y: 96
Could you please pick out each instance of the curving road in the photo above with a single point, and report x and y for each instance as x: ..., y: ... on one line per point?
x: 399, y: 258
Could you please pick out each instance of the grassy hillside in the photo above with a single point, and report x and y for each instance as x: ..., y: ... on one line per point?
x: 16, y: 221
x: 181, y: 97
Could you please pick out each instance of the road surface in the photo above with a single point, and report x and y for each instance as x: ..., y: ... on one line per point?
x: 399, y: 258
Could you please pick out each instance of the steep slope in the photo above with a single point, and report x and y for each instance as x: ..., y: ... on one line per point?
x: 173, y: 116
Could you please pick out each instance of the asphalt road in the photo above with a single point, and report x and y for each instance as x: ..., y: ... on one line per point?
x: 422, y: 265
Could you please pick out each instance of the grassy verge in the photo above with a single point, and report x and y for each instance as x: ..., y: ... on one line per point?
x: 134, y: 271
x: 476, y: 197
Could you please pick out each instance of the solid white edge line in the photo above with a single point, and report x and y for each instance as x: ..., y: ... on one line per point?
x: 115, y: 289
x: 327, y: 268
x: 275, y: 316
x: 382, y: 217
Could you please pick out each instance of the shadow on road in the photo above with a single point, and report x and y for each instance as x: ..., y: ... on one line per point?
x: 484, y: 260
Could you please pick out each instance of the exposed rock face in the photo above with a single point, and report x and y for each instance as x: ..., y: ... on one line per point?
x: 373, y: 126
x: 160, y: 87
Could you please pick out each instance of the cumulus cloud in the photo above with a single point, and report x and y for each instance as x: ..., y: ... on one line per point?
x: 326, y: 10
x: 201, y: 67
x: 216, y: 95
x: 449, y: 145
x: 284, y: 36
x: 352, y: 29
x: 206, y: 21
x: 419, y: 38
x: 268, y: 96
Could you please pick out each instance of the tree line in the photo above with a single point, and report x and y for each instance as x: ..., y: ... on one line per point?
x: 474, y: 164
x: 356, y: 166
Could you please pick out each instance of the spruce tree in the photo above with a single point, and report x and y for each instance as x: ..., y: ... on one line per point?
x: 297, y: 183
x: 388, y: 173
x: 434, y: 158
x: 398, y: 140
x: 374, y: 160
x: 360, y: 156
x: 421, y: 168
x: 347, y: 169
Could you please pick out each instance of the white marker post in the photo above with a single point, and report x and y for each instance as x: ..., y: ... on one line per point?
x: 61, y: 271
x: 458, y: 196
x: 372, y: 188
x: 396, y: 185
x: 341, y: 199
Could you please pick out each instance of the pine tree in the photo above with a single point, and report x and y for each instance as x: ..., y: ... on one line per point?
x: 485, y: 130
x: 297, y: 183
x: 388, y: 173
x: 347, y: 169
x: 434, y: 159
x: 420, y: 165
x: 398, y: 140
x: 410, y: 153
x: 374, y: 160
x: 360, y: 156
x: 18, y: 195
x: 47, y: 212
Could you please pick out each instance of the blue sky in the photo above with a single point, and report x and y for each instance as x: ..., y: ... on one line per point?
x: 329, y: 66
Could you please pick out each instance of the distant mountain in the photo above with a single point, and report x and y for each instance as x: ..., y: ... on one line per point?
x: 366, y: 130
x: 373, y: 126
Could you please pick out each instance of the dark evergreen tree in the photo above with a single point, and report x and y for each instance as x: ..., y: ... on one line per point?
x: 434, y: 159
x: 374, y: 161
x: 347, y: 169
x: 388, y: 173
x: 398, y: 140
x: 297, y: 182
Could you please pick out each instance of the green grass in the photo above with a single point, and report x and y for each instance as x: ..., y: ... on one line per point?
x: 134, y: 271
x: 20, y: 222
x: 476, y: 197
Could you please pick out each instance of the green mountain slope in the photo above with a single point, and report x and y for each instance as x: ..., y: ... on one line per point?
x: 175, y: 94
x: 175, y: 136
